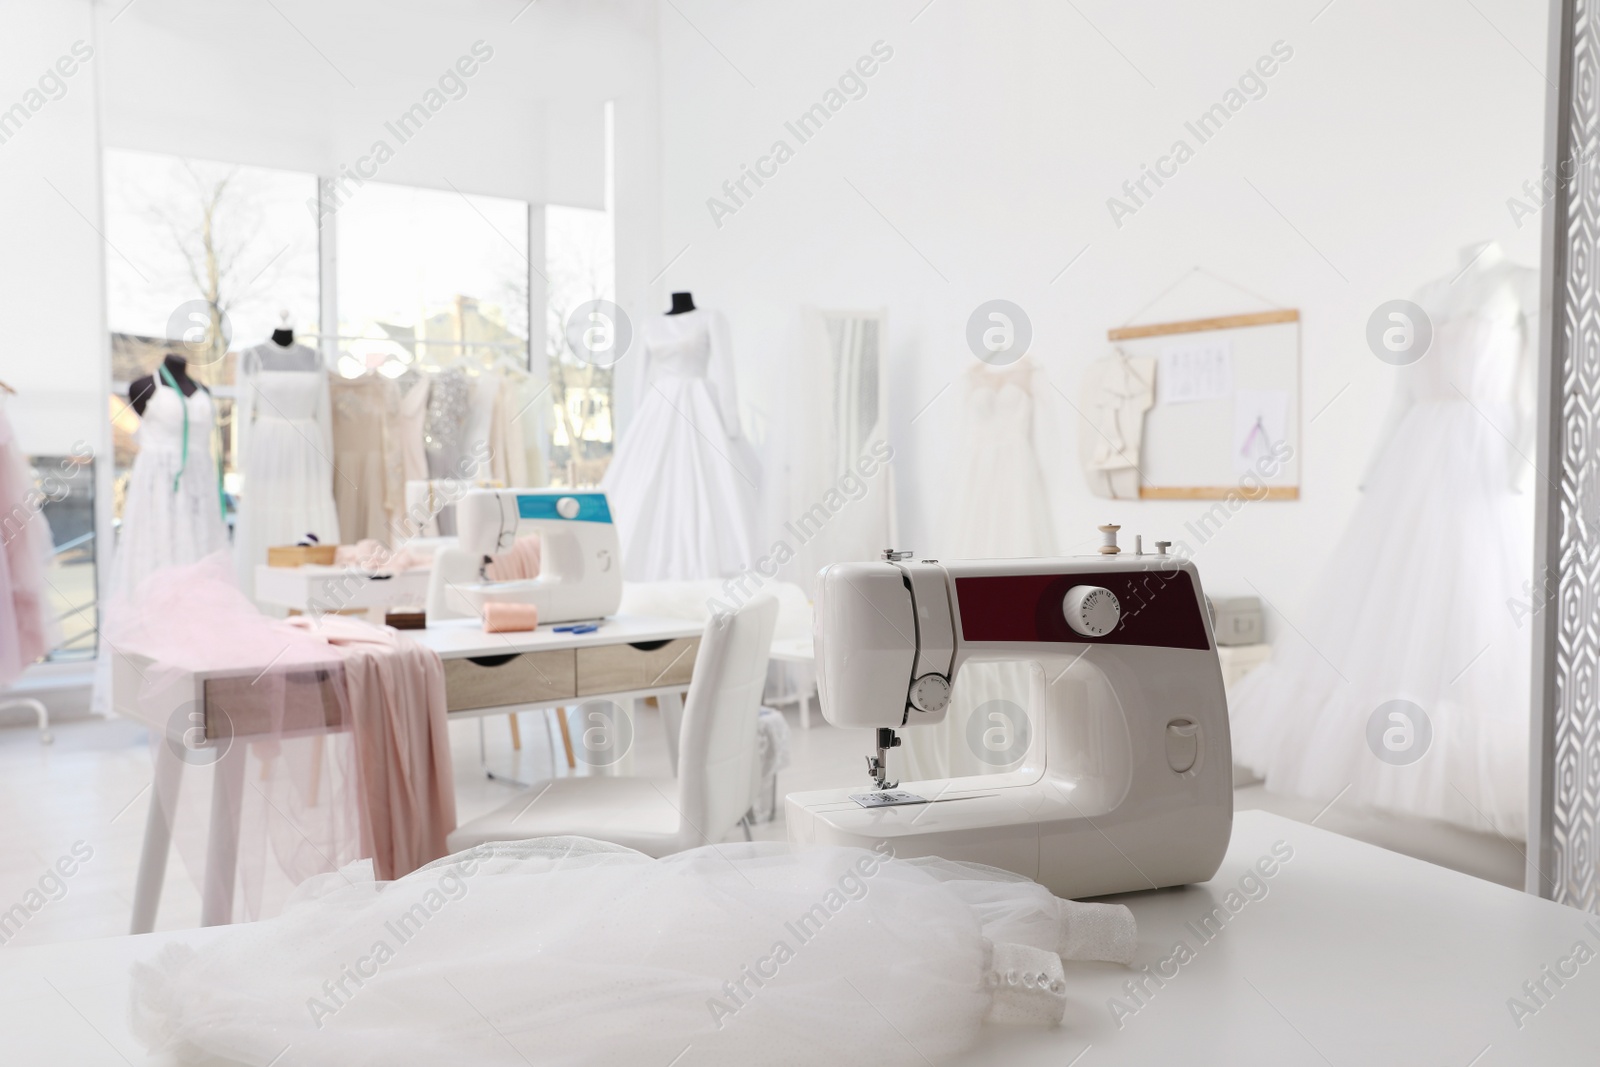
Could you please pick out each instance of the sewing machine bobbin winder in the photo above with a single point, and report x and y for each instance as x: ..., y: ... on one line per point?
x: 1117, y: 777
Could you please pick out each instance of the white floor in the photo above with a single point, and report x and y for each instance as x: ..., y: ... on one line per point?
x: 92, y: 786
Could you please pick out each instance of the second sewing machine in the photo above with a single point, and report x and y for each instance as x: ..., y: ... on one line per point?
x: 580, y: 568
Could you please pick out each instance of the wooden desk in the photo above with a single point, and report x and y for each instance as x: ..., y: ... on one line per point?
x: 628, y: 659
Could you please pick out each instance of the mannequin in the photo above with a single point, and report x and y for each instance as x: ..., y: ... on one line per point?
x: 282, y: 353
x: 1430, y: 644
x: 684, y: 481
x: 142, y: 389
x: 283, y: 420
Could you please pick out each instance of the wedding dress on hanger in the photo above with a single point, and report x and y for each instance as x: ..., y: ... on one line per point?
x: 285, y: 453
x: 172, y: 513
x: 683, y: 483
x: 1000, y: 511
x: 1426, y: 597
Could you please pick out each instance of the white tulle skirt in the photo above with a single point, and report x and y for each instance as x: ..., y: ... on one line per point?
x: 571, y: 951
x: 163, y: 527
x: 288, y: 493
x: 1425, y: 599
x: 682, y: 491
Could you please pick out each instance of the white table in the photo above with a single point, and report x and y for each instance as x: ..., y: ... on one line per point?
x: 798, y: 650
x: 1356, y: 957
x: 315, y: 587
x: 626, y: 660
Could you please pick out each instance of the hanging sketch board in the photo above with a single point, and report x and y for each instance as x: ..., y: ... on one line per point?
x: 1227, y: 412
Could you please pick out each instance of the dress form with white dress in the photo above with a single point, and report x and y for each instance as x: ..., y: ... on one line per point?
x: 1419, y: 600
x: 285, y: 454
x: 683, y: 484
x: 1001, y: 511
x: 172, y: 512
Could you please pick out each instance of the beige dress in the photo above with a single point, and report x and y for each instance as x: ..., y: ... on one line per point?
x: 361, y: 480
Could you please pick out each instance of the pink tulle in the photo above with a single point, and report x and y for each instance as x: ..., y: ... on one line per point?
x: 336, y: 727
x: 27, y: 626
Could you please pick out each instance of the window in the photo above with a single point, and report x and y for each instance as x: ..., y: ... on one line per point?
x: 580, y: 265
x: 66, y: 487
x: 194, y: 243
x: 431, y: 279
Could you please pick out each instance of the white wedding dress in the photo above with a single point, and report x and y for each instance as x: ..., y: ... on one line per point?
x: 169, y: 518
x: 572, y: 951
x: 285, y: 453
x: 1000, y: 511
x: 684, y: 482
x: 1426, y: 597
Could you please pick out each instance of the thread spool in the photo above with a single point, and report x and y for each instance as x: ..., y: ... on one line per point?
x: 1108, y: 543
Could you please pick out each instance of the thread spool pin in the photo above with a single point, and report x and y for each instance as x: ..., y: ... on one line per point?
x: 1108, y: 544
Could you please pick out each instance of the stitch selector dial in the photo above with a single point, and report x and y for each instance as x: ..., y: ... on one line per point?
x: 1091, y: 610
x: 930, y: 693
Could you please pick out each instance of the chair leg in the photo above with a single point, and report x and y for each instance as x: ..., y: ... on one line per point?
x: 744, y: 824
x: 516, y: 733
x: 39, y: 711
x: 550, y: 739
x: 566, y: 738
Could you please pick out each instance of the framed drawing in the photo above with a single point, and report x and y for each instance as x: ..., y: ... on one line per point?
x: 1226, y: 418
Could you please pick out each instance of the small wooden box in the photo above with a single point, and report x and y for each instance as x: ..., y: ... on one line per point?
x: 300, y: 555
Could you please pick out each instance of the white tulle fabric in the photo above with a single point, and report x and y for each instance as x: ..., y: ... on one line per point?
x: 1425, y: 597
x: 166, y: 519
x: 1000, y: 511
x: 684, y: 482
x: 285, y: 453
x: 572, y: 951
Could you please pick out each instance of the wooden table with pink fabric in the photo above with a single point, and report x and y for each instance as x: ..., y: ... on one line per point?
x: 346, y: 750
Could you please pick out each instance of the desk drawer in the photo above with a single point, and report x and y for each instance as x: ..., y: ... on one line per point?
x: 514, y: 678
x: 619, y: 668
x: 287, y: 701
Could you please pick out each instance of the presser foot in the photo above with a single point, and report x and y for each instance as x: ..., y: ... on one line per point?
x: 878, y: 766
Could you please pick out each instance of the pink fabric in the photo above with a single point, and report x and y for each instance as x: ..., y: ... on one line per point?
x: 27, y: 625
x: 313, y: 799
x: 397, y: 711
x: 375, y: 556
x: 520, y: 563
x: 509, y: 618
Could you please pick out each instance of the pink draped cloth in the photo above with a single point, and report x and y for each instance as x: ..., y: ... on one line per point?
x: 26, y: 622
x: 339, y: 724
x: 395, y: 693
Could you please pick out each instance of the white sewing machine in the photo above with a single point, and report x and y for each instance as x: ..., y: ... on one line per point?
x: 580, y: 574
x: 1119, y: 777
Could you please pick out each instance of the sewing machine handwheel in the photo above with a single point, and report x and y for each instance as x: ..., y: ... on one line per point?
x: 1091, y: 610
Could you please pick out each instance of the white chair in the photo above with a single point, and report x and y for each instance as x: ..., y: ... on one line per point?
x: 716, y: 757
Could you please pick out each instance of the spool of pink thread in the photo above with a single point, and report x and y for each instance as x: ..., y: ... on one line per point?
x: 509, y: 618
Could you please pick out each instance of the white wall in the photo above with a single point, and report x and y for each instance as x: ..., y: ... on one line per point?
x: 51, y: 285
x: 309, y: 85
x: 990, y: 143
